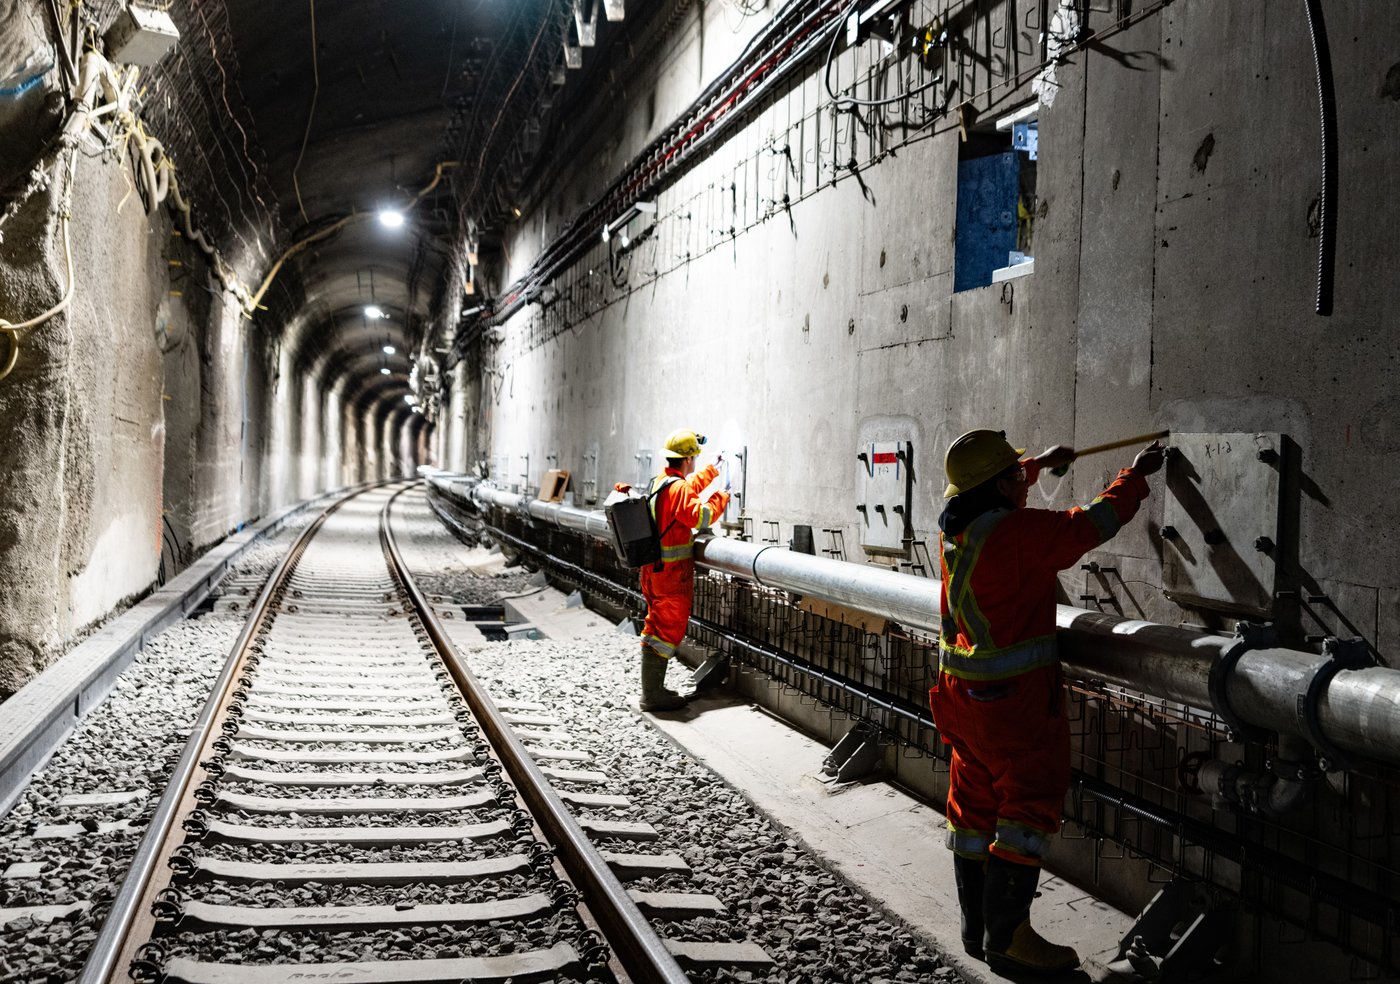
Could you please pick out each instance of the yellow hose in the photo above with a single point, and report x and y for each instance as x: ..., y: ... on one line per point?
x: 334, y: 227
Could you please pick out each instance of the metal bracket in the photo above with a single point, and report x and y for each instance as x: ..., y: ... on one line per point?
x: 586, y: 24
x: 712, y: 673
x: 1248, y: 635
x: 855, y: 756
x: 1342, y: 654
x: 1150, y: 949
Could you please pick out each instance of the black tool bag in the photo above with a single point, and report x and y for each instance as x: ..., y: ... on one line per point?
x: 634, y: 534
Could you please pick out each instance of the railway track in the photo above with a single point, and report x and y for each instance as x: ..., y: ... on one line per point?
x: 352, y: 806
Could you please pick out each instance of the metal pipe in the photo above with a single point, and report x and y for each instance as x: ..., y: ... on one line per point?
x: 1359, y: 711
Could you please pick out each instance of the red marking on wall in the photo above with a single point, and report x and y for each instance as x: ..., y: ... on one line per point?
x: 885, y: 458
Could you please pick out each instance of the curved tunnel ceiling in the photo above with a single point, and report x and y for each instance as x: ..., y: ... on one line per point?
x: 361, y: 127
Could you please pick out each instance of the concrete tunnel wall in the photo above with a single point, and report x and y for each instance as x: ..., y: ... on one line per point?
x: 1175, y: 259
x: 150, y: 418
x: 1175, y: 265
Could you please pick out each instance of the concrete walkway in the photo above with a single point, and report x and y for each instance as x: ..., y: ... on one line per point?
x: 874, y: 835
x: 880, y: 839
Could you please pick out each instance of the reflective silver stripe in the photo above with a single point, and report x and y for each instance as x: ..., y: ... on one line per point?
x: 1104, y: 518
x: 661, y: 646
x: 704, y: 517
x: 996, y: 664
x: 1020, y: 839
x: 678, y: 551
x: 973, y: 842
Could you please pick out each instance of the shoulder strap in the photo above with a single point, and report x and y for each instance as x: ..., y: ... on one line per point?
x: 652, y: 497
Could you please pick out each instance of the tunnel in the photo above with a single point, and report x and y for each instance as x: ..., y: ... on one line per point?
x: 255, y: 254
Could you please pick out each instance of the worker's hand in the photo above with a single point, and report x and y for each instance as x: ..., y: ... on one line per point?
x: 719, y: 457
x: 1055, y: 459
x: 1149, y: 459
x: 622, y: 487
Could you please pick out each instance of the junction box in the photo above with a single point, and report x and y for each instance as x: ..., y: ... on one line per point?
x: 885, y: 495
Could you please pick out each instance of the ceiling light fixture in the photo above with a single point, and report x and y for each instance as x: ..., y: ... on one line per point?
x: 391, y: 218
x: 383, y: 372
x: 389, y: 350
x: 374, y: 311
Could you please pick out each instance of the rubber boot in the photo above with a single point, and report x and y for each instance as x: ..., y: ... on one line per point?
x: 1011, y: 945
x: 971, y: 875
x: 655, y: 696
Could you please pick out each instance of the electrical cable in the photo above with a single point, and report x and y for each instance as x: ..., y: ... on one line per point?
x: 335, y: 227
x: 1327, y: 123
x: 310, y: 116
x: 13, y: 330
x: 843, y: 101
x: 505, y: 103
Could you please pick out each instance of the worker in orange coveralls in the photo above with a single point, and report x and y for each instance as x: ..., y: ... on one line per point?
x: 669, y: 584
x: 999, y: 695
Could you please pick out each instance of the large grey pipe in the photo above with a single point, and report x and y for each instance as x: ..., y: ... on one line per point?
x: 1359, y: 712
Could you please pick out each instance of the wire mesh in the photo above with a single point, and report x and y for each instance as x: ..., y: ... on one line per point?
x: 192, y: 103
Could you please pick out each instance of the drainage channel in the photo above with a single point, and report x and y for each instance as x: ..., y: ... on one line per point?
x: 351, y: 806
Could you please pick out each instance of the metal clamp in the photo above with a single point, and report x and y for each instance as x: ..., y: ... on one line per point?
x: 1342, y: 654
x: 1248, y: 635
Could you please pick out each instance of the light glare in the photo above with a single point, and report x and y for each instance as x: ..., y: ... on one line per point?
x: 374, y: 311
x: 392, y: 218
x: 389, y: 350
x: 383, y: 372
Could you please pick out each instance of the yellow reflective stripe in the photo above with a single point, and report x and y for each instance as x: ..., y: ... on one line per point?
x: 981, y: 663
x: 677, y: 551
x: 704, y: 517
x: 965, y: 608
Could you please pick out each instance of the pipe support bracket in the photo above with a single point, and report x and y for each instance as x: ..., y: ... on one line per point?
x: 1248, y: 635
x: 1342, y: 654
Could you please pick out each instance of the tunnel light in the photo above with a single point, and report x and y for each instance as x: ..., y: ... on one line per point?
x: 389, y: 350
x: 516, y: 211
x: 383, y: 372
x: 375, y: 311
x: 408, y: 398
x: 620, y: 223
x: 391, y: 218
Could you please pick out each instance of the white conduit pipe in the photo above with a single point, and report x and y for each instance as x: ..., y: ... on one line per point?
x: 1358, y: 712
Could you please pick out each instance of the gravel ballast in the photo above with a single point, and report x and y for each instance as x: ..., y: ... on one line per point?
x: 129, y: 742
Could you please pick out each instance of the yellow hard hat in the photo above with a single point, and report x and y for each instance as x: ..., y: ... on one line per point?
x: 977, y: 456
x: 684, y: 444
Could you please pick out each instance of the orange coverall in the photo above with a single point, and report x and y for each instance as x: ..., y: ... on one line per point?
x: 670, y: 591
x: 999, y: 695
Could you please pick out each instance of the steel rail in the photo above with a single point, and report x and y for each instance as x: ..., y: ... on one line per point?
x: 639, y: 949
x: 117, y: 939
x: 1267, y: 686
